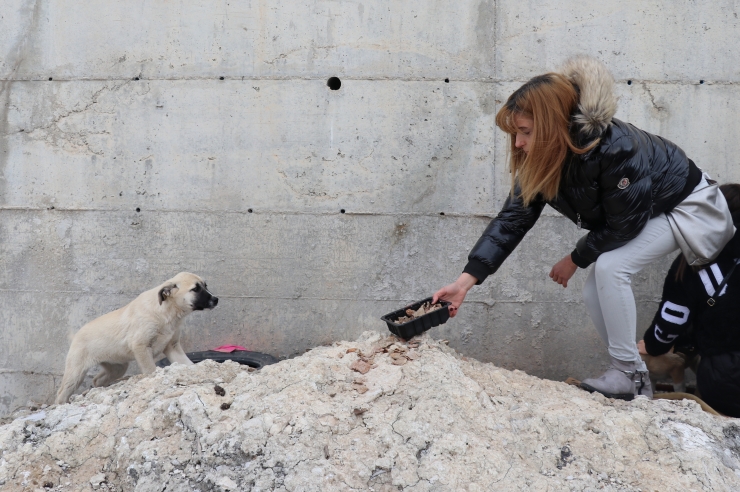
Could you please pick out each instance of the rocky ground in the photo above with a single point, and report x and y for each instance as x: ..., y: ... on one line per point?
x: 375, y: 414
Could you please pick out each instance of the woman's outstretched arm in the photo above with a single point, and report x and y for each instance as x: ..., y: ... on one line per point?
x: 455, y: 292
x: 499, y: 239
x: 503, y: 235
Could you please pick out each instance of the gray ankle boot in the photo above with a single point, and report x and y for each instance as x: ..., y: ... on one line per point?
x: 623, y: 380
x: 643, y: 385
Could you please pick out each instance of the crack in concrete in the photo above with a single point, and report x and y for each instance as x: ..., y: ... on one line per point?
x: 652, y: 98
x: 361, y: 161
x: 51, y: 132
x: 55, y: 121
x: 30, y: 373
x: 19, y: 50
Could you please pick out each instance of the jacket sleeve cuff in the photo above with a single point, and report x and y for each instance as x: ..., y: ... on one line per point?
x: 477, y: 269
x: 652, y: 346
x: 579, y: 260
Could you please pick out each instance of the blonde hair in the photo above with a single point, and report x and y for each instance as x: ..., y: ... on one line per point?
x: 549, y: 100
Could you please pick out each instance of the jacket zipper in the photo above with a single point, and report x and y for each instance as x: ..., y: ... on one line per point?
x: 579, y: 220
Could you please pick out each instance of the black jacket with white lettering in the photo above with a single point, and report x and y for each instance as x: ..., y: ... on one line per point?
x: 716, y: 328
x: 612, y: 191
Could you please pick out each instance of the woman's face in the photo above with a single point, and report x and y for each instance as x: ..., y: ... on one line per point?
x: 524, y: 128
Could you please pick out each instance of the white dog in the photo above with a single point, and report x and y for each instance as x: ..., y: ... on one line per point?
x: 145, y: 327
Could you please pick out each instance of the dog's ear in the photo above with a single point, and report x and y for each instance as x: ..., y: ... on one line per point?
x: 165, y: 292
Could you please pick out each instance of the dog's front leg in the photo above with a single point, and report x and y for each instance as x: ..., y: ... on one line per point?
x: 678, y: 375
x: 175, y: 354
x: 145, y: 358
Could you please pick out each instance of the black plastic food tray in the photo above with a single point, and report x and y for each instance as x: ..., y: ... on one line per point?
x: 418, y: 325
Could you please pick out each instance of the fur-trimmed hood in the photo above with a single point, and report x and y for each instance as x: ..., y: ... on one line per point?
x: 597, y: 103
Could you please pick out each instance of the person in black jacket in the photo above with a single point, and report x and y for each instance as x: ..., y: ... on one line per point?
x: 692, y: 298
x: 608, y: 177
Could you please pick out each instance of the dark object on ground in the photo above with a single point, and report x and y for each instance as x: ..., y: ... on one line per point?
x: 566, y: 457
x: 225, y: 406
x: 219, y: 390
x: 244, y: 357
x: 668, y: 388
x: 417, y: 325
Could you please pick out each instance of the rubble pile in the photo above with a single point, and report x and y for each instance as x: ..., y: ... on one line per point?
x: 376, y: 414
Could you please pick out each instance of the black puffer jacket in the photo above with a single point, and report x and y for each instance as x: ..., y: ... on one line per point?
x: 630, y: 177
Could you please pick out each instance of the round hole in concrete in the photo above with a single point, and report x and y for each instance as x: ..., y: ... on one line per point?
x: 49, y: 78
x: 334, y: 83
x: 220, y: 78
x: 136, y: 78
x: 341, y: 211
x: 138, y: 209
x: 249, y: 210
x: 629, y: 82
x: 447, y: 81
x: 441, y: 213
x: 701, y: 81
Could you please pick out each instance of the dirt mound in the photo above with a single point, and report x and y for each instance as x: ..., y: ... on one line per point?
x: 375, y: 414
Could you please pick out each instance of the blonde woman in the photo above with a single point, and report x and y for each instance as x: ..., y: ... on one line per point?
x: 611, y: 179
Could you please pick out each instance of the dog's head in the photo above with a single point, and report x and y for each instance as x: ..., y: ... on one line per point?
x: 188, y: 292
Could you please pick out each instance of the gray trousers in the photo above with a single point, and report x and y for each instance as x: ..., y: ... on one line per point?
x: 608, y: 291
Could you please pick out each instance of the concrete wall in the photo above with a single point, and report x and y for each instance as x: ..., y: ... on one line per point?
x: 139, y: 139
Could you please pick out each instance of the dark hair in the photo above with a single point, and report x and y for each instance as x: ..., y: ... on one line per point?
x: 731, y: 191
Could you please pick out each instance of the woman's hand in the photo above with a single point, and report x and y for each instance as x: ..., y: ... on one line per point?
x: 455, y: 292
x: 563, y: 271
x: 641, y: 347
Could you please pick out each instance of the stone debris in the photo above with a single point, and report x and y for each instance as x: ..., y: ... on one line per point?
x: 317, y: 423
x: 361, y: 366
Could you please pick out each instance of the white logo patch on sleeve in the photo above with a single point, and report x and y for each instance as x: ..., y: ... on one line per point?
x: 659, y: 337
x: 674, y: 313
